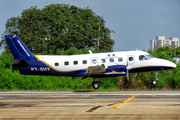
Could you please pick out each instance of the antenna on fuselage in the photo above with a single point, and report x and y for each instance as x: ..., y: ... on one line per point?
x: 90, y: 52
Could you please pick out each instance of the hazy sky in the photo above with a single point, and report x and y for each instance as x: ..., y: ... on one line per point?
x: 135, y: 22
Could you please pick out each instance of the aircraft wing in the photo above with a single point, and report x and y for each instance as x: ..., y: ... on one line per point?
x: 102, y: 69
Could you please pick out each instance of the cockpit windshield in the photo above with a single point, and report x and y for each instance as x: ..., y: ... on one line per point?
x: 142, y: 57
x: 148, y: 56
x: 145, y: 57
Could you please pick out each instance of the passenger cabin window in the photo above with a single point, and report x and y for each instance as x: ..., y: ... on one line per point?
x: 66, y: 63
x: 111, y: 59
x: 75, y: 62
x: 84, y: 61
x: 142, y: 57
x: 131, y: 59
x: 120, y: 59
x: 94, y: 61
x: 56, y: 64
x: 103, y: 60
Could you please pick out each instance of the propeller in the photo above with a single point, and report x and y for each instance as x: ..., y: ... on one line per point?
x: 127, y: 74
x: 127, y: 69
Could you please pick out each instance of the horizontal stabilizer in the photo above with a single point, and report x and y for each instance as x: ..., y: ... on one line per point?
x: 19, y: 63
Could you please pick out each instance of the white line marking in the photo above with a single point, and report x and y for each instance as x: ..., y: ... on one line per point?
x: 23, y: 47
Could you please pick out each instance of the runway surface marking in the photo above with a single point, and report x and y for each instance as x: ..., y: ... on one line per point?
x: 115, y: 106
x: 94, y: 108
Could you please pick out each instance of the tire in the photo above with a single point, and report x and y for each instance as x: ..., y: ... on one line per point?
x: 95, y: 85
x: 154, y: 82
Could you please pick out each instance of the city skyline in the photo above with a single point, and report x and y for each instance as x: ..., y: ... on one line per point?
x: 161, y: 41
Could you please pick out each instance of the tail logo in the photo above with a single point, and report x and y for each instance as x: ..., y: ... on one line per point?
x: 23, y: 47
x: 14, y: 36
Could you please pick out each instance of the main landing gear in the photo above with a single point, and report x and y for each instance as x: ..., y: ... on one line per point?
x: 95, y: 83
x: 154, y: 82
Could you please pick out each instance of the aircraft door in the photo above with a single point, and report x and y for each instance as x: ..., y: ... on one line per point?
x: 130, y: 59
x: 94, y: 61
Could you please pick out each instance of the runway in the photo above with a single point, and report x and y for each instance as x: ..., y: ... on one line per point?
x: 90, y: 105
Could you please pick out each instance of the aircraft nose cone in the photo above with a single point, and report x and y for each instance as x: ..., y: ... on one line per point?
x: 171, y: 64
x: 167, y: 64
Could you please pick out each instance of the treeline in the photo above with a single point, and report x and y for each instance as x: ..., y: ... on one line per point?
x: 12, y: 80
x: 59, y: 26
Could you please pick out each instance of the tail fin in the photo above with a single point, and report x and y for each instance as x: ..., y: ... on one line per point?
x: 18, y: 49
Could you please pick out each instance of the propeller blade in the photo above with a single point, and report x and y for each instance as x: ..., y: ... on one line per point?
x: 136, y: 74
x: 127, y: 75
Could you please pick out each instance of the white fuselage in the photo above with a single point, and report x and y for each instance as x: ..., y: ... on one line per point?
x: 132, y: 59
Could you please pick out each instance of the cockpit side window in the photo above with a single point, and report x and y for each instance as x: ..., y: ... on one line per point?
x: 142, y: 57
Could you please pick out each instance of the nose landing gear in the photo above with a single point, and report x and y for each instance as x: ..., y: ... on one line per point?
x: 155, y: 81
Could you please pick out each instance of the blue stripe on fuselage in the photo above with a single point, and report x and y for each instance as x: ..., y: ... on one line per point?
x: 149, y: 69
x: 41, y: 68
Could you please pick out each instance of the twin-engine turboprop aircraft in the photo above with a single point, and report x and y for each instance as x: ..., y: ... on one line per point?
x: 87, y: 65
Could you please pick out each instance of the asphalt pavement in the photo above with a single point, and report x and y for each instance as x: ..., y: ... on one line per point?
x: 90, y: 105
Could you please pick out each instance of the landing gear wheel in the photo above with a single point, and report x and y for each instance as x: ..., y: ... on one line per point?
x: 154, y: 82
x: 95, y: 85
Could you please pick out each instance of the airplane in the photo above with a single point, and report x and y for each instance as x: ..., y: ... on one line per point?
x: 96, y: 65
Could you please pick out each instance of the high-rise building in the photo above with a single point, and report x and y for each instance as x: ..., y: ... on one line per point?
x: 161, y: 41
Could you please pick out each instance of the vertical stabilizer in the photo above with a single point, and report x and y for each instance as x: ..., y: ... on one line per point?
x: 18, y: 49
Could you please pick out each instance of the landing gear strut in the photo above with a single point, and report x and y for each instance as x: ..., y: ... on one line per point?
x: 95, y: 83
x: 155, y: 81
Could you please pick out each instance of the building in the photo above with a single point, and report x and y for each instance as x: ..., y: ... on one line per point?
x: 160, y: 41
x: 176, y: 58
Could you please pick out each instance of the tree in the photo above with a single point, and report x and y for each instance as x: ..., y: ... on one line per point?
x: 165, y: 52
x: 59, y: 26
